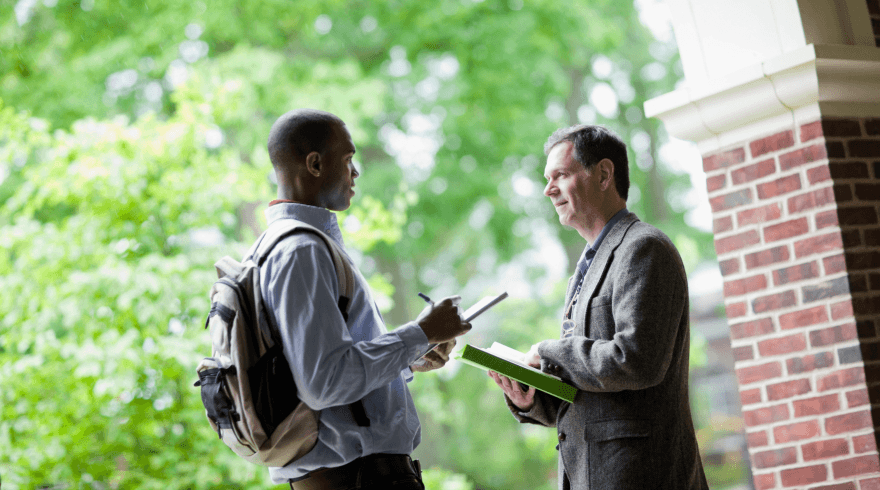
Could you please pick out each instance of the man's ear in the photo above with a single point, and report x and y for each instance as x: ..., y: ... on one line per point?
x: 313, y: 163
x: 606, y: 173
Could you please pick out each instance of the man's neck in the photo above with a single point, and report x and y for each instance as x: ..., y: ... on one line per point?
x: 592, y: 233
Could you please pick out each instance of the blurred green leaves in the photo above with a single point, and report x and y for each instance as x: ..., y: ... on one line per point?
x: 133, y: 157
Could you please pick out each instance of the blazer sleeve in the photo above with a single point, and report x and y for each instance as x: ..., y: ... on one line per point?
x: 544, y: 411
x: 640, y: 309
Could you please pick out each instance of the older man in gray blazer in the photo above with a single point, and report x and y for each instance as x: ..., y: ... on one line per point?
x: 625, y: 335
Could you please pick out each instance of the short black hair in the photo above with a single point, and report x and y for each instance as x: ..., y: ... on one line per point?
x: 591, y: 144
x: 299, y: 132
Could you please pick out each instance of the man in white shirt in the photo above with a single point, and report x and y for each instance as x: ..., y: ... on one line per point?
x: 340, y: 363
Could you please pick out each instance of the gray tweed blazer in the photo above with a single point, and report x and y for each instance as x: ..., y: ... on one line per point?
x: 630, y: 425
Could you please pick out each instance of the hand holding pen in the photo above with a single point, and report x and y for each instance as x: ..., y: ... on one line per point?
x: 442, y: 321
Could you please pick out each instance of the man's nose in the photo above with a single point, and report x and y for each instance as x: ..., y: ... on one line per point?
x: 548, y: 189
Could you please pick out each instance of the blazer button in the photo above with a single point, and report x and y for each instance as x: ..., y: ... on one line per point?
x: 561, y: 436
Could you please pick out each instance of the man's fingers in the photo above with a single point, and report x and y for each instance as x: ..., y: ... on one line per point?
x: 450, y: 301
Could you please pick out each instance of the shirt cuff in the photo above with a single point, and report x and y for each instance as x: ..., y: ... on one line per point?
x: 414, y: 340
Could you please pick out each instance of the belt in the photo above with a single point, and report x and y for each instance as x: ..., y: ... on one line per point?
x: 368, y: 470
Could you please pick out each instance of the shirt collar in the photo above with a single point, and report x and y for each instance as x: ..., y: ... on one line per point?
x: 605, y: 230
x: 320, y: 218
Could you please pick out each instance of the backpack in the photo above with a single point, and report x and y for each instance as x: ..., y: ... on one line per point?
x: 247, y: 386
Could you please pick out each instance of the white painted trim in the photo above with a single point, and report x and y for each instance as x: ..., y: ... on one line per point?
x: 844, y: 81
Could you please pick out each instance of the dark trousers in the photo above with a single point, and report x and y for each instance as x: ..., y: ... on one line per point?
x: 373, y: 472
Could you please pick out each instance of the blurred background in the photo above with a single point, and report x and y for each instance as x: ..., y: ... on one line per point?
x: 132, y: 157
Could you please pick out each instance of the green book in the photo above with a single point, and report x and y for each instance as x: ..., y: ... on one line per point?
x: 504, y: 360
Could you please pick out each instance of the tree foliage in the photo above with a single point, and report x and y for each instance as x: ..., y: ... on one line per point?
x: 133, y: 150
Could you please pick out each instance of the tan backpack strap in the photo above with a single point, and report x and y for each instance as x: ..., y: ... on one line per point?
x: 281, y: 229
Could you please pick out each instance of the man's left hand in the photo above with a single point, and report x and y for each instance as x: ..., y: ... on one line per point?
x: 435, y: 359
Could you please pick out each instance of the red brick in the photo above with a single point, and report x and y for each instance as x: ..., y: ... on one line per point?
x: 766, y: 415
x: 811, y: 130
x: 796, y: 432
x: 834, y: 264
x: 870, y: 483
x: 716, y: 182
x: 824, y: 449
x: 748, y: 397
x: 803, y: 318
x: 786, y: 230
x: 864, y: 148
x: 865, y: 443
x: 735, y: 310
x: 722, y: 224
x: 811, y: 200
x: 839, y: 379
x: 766, y: 257
x: 840, y: 310
x: 818, y: 244
x: 816, y: 406
x: 743, y: 286
x: 818, y: 174
x: 857, y: 398
x: 774, y: 302
x: 736, y: 242
x: 796, y: 273
x: 775, y: 457
x: 849, y: 422
x: 743, y: 353
x: 798, y: 365
x: 826, y: 219
x: 783, y: 345
x: 729, y: 266
x: 757, y: 439
x: 839, y: 486
x: 841, y: 127
x: 765, y: 482
x: 833, y: 335
x: 780, y: 186
x: 788, y: 389
x: 861, y: 465
x: 762, y: 214
x: 753, y: 328
x: 731, y: 200
x: 753, y: 172
x: 772, y: 143
x: 804, y: 155
x: 725, y: 159
x: 804, y: 475
x: 763, y: 372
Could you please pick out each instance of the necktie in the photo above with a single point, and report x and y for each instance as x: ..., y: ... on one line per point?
x: 583, y: 265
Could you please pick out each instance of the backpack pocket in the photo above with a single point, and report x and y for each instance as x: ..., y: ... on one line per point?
x: 219, y: 406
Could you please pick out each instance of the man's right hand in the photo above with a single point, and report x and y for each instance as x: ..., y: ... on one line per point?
x: 524, y: 399
x: 442, y: 321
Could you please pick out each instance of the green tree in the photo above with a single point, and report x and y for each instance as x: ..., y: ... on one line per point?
x: 142, y: 159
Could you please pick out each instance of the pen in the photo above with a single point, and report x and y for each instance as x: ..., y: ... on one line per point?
x: 431, y: 347
x: 426, y: 298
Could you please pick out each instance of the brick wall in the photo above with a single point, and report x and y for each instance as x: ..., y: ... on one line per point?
x: 798, y: 241
x: 874, y: 10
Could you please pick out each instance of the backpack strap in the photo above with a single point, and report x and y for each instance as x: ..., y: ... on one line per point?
x: 282, y: 229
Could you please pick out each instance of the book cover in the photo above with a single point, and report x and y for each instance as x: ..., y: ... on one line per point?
x: 506, y: 361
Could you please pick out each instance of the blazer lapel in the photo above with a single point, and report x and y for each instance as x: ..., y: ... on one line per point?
x: 600, y: 262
